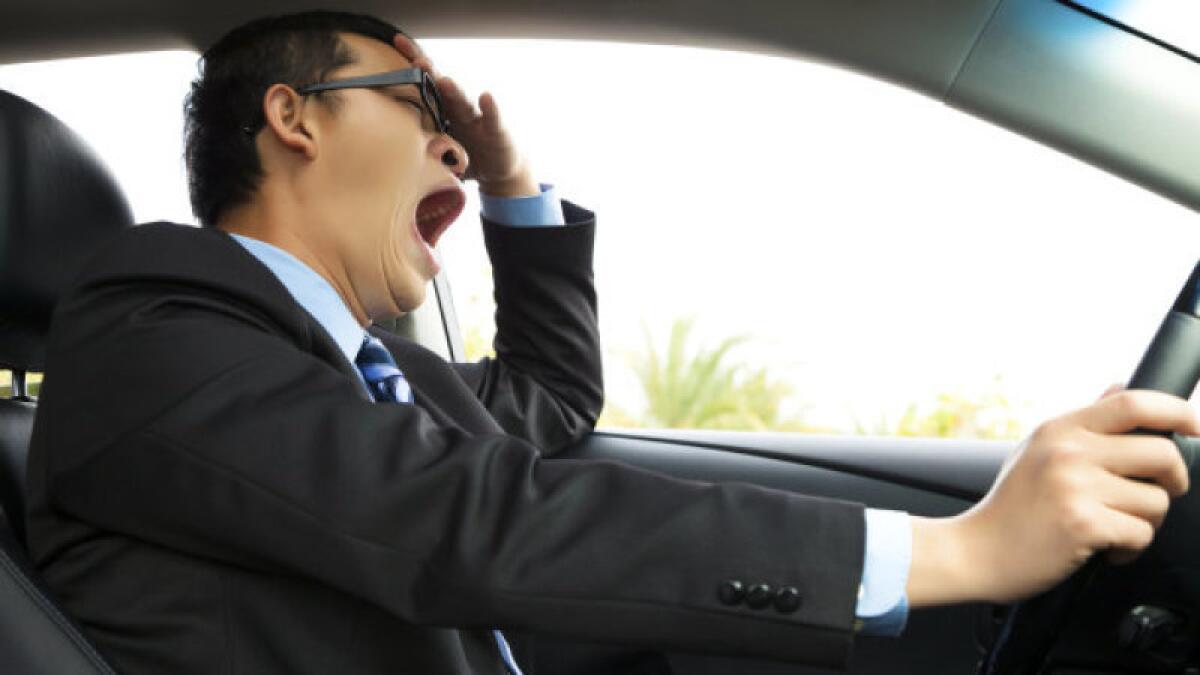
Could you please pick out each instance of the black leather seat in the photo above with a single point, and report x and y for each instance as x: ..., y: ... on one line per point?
x: 16, y: 422
x: 57, y: 203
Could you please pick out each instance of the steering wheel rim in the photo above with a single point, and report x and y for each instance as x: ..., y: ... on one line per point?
x: 1171, y: 364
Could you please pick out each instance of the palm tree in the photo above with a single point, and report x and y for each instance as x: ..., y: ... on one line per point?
x: 702, y: 389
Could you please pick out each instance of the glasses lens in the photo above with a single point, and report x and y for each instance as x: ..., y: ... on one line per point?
x: 433, y: 101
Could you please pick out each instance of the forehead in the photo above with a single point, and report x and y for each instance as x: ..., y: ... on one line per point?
x: 371, y: 56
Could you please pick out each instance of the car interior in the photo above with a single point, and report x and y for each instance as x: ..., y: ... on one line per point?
x: 1067, y: 74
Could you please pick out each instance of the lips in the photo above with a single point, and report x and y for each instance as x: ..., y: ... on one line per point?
x: 436, y: 211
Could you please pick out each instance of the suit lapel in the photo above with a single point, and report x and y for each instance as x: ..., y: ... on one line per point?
x: 324, y: 348
x: 437, y: 388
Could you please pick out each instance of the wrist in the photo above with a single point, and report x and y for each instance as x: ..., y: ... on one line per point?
x: 520, y: 184
x: 945, y: 567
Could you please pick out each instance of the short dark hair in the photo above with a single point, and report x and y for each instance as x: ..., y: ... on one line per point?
x: 223, y: 110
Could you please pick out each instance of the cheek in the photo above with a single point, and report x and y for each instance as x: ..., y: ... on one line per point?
x: 378, y: 157
x: 376, y: 164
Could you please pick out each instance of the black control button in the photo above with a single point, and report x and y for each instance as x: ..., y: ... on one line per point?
x: 787, y: 600
x: 1147, y: 627
x: 759, y: 596
x: 731, y: 592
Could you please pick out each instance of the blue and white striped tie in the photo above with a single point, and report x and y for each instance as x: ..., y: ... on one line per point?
x: 387, y: 383
x: 381, y: 373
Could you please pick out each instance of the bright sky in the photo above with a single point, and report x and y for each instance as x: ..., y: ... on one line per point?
x: 879, y: 247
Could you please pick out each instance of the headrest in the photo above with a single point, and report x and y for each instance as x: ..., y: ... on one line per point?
x: 57, y: 202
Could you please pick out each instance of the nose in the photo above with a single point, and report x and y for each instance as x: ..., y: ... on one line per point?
x: 450, y: 153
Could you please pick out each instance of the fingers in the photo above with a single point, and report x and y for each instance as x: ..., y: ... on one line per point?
x: 413, y: 52
x: 1144, y: 501
x: 491, y: 113
x: 1112, y: 389
x: 409, y: 48
x: 458, y: 106
x: 1143, y: 456
x: 1133, y: 409
x: 1114, y: 510
x: 1123, y: 532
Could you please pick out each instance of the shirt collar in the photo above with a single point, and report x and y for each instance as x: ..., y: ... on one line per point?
x: 312, y: 292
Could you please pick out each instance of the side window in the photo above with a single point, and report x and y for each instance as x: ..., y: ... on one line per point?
x: 129, y: 108
x: 782, y: 245
x: 785, y: 245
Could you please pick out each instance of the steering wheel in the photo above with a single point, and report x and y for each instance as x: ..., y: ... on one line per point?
x: 1031, y: 629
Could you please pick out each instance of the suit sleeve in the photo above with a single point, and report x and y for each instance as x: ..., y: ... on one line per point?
x: 233, y: 445
x: 545, y: 384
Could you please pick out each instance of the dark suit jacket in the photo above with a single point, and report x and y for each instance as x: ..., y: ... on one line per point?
x: 212, y: 491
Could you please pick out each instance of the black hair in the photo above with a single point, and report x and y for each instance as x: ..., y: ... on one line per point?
x: 223, y: 110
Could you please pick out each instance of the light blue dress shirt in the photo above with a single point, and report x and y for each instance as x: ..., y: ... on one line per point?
x: 313, y: 293
x: 882, y: 605
x: 542, y: 210
x: 882, y: 599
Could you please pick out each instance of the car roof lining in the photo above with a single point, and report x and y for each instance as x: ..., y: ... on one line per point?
x: 963, y: 52
x: 920, y: 42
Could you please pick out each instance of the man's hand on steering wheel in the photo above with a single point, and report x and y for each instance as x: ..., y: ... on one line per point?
x: 1080, y: 484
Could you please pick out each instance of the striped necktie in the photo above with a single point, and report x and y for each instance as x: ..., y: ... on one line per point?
x: 382, y: 375
x: 387, y: 383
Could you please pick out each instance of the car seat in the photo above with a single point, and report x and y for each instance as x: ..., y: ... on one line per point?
x: 57, y: 203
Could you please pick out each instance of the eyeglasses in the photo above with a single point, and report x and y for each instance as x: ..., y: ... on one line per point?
x: 429, y: 93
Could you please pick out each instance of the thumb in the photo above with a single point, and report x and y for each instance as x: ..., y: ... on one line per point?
x: 1112, y: 389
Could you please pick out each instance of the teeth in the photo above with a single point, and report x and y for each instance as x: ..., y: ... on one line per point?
x: 436, y: 213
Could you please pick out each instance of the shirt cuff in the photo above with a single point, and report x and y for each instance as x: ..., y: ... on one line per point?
x: 541, y: 210
x: 882, y: 607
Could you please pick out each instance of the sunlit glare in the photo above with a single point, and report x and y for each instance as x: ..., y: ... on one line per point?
x: 1175, y: 22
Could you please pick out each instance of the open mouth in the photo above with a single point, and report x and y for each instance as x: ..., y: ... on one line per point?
x: 437, y: 211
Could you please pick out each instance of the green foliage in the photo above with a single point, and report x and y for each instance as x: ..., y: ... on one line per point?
x: 477, y: 344
x: 952, y: 415
x: 988, y: 414
x: 476, y: 314
x: 701, y: 388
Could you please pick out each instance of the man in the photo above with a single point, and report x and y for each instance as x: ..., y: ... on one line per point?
x: 232, y: 472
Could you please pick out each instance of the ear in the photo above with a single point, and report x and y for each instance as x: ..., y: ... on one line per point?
x: 283, y: 111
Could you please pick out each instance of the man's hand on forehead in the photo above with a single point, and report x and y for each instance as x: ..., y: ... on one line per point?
x: 413, y: 52
x: 459, y: 108
x: 495, y: 161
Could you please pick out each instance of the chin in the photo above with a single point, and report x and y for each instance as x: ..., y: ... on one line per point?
x: 407, y: 300
x: 406, y: 284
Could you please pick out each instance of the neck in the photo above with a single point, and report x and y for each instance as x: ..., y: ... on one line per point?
x: 287, y: 228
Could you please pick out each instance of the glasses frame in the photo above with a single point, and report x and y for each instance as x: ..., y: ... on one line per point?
x: 392, y: 78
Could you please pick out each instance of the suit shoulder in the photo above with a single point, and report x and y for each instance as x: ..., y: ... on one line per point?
x: 163, y: 252
x: 147, y: 245
x: 149, y: 259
